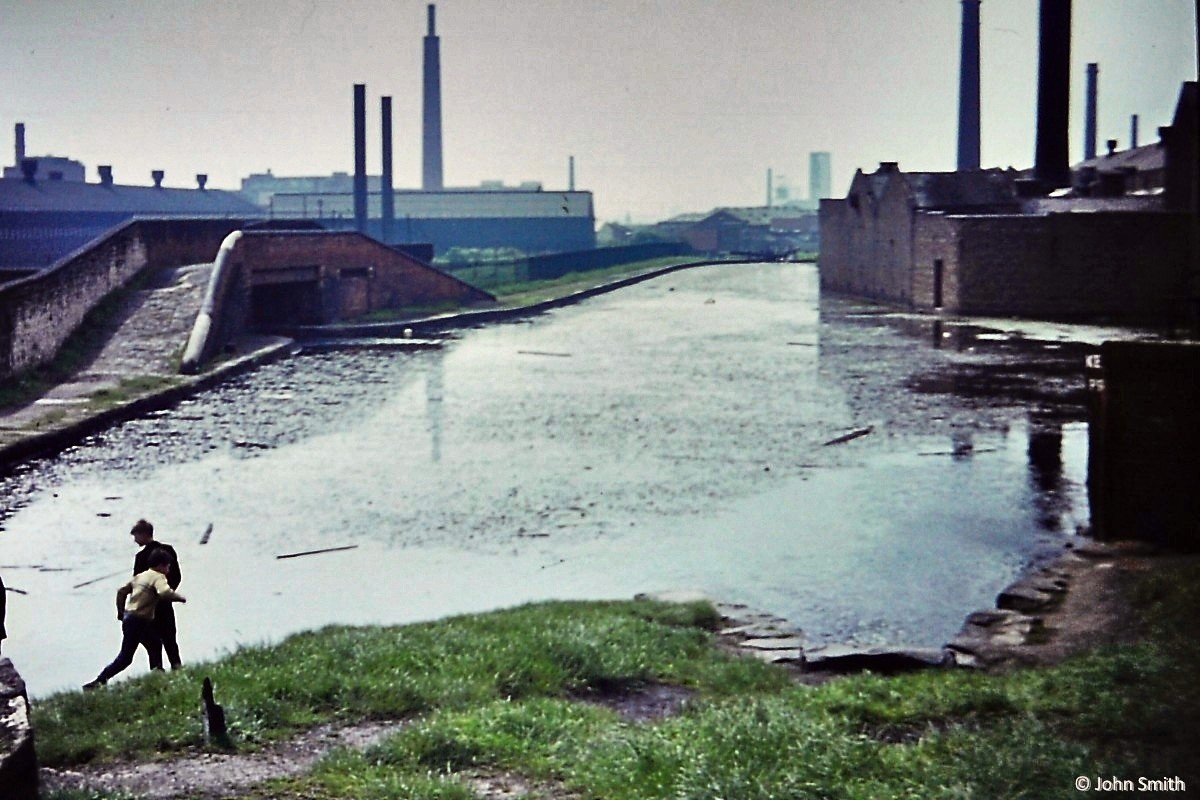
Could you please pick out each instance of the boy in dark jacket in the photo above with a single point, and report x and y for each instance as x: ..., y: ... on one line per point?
x: 164, y: 618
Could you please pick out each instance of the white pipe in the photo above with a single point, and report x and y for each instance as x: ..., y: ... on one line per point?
x: 199, y: 344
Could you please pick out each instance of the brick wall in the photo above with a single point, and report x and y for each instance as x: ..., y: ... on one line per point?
x: 867, y: 245
x: 39, y: 313
x: 354, y: 274
x: 1121, y: 267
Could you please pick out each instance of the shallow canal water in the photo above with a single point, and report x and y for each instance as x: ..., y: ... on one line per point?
x: 667, y: 435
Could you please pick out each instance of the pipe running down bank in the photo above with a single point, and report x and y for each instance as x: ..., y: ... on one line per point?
x: 200, y: 343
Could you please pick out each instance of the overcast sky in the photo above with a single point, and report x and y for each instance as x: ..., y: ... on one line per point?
x: 667, y: 105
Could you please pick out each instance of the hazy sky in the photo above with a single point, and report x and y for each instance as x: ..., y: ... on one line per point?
x: 667, y: 105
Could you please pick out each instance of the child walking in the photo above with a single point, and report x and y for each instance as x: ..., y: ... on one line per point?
x: 136, y: 601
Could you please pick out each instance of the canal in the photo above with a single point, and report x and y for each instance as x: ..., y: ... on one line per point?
x: 870, y: 475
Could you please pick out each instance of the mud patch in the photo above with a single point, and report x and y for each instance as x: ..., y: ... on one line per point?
x: 641, y: 703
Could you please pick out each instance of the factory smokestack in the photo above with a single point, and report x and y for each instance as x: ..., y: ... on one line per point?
x: 19, y: 130
x: 968, y: 88
x: 1051, y: 166
x: 431, y: 136
x: 570, y: 173
x: 1089, y: 120
x: 360, y: 157
x: 769, y: 190
x: 387, y: 196
x: 1133, y: 131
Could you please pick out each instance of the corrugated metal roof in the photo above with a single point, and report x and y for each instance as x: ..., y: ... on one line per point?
x: 19, y: 195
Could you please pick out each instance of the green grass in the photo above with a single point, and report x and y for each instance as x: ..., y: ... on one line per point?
x: 500, y: 692
x: 521, y: 293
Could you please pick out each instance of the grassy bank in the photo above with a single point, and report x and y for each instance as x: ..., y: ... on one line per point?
x: 502, y: 692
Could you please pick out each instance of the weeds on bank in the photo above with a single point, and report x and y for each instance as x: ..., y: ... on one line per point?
x: 523, y: 293
x: 495, y: 694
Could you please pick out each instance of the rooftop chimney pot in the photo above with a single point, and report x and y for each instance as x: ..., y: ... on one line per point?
x: 106, y: 178
x: 889, y: 166
x: 158, y: 176
x: 1112, y: 146
x: 201, y: 180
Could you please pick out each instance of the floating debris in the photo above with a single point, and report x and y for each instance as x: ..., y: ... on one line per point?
x: 849, y: 436
x: 317, y: 552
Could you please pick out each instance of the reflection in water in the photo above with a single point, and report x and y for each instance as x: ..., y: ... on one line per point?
x: 1046, y: 471
x: 434, y: 373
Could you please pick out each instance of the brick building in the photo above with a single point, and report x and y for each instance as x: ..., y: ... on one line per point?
x: 1118, y: 246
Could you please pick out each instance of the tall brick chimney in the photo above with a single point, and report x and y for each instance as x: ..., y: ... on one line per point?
x: 968, y: 89
x: 360, y: 157
x: 387, y: 195
x: 1052, y: 168
x: 19, y: 131
x: 1089, y: 120
x: 431, y: 127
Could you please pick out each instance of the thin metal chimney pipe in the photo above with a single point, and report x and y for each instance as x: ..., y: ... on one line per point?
x: 968, y: 88
x: 1133, y: 131
x: 387, y: 196
x: 431, y: 130
x: 1051, y: 166
x: 1089, y: 122
x: 360, y: 157
x: 570, y: 173
x: 769, y: 180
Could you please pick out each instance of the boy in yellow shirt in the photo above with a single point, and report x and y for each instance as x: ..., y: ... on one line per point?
x: 136, y: 601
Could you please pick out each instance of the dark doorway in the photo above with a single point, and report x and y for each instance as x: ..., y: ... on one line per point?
x: 286, y: 303
x: 938, y: 270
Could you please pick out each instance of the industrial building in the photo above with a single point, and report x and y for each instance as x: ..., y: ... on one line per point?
x: 1112, y: 239
x: 45, y: 215
x: 526, y: 218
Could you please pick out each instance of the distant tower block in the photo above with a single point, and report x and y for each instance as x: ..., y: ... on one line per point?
x: 968, y: 89
x: 819, y: 176
x: 431, y: 137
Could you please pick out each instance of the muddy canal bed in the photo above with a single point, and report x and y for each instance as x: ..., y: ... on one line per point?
x: 668, y: 435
